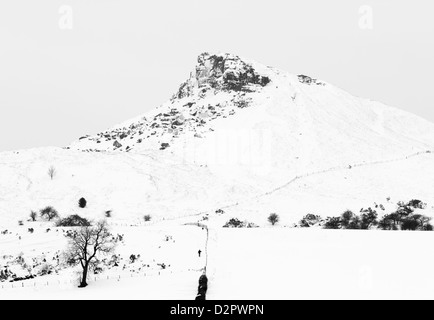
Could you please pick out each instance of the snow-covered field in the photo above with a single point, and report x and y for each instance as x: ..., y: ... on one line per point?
x: 167, y: 286
x: 263, y: 263
x: 167, y: 265
x: 320, y: 264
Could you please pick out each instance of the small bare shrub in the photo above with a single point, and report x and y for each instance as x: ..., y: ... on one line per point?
x: 52, y: 172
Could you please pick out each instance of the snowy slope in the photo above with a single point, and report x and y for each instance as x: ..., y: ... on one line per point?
x: 130, y: 185
x: 240, y: 117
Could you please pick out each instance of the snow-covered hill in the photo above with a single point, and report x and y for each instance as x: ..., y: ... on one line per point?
x: 236, y: 130
x: 238, y: 116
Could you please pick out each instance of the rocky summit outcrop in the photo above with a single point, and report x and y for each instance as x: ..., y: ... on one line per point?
x: 223, y: 72
x: 219, y: 85
x: 309, y: 81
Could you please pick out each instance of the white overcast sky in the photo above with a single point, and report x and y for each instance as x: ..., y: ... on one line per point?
x: 124, y: 57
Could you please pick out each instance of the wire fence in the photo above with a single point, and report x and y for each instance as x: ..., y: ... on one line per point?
x: 138, y: 222
x: 204, y: 227
x: 73, y: 282
x: 349, y: 167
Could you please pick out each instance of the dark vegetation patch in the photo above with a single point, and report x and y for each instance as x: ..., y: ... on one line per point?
x: 403, y: 218
x: 236, y: 223
x: 73, y: 221
x: 82, y: 203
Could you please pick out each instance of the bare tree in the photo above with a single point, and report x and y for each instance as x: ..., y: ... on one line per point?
x: 51, y: 172
x: 273, y: 218
x: 49, y: 213
x: 33, y: 215
x: 86, y: 245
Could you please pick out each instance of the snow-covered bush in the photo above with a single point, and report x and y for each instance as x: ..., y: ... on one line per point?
x: 405, y: 218
x: 73, y: 221
x: 388, y: 222
x: 349, y: 220
x: 45, y: 269
x: 310, y: 220
x: 352, y: 221
x: 133, y: 258
x: 368, y: 219
x: 220, y: 211
x: 417, y: 204
x: 417, y: 222
x: 235, y: 223
x: 5, y: 274
x: 114, y: 261
x: 164, y: 146
x: 332, y: 223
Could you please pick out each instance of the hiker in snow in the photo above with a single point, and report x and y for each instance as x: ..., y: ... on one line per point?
x: 199, y: 252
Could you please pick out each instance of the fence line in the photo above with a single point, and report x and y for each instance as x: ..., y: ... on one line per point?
x: 91, y: 278
x: 204, y: 227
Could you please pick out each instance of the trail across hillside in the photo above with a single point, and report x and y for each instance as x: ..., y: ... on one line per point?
x: 339, y: 168
x: 333, y: 169
x: 292, y: 181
